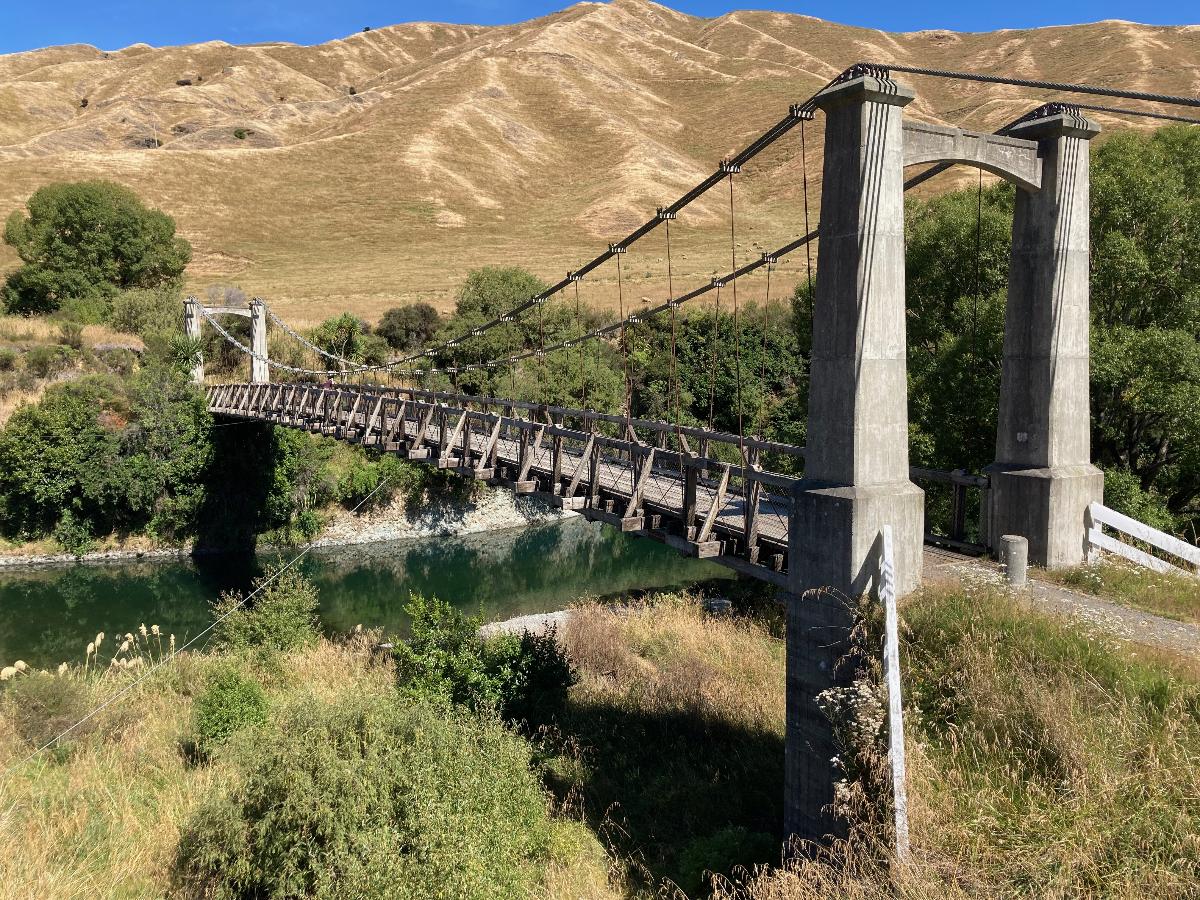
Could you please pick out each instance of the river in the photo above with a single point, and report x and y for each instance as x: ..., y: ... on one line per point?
x: 48, y: 615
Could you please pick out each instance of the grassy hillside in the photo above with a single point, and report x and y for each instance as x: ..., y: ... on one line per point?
x: 384, y: 166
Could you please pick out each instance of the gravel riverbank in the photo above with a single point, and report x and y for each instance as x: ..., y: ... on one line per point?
x: 493, y: 510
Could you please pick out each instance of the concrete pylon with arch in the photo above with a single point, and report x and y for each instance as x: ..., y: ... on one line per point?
x: 857, y: 470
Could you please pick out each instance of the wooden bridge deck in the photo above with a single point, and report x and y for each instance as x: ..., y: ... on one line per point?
x: 712, y: 501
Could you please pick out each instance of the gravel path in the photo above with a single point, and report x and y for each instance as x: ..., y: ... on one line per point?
x: 1111, y: 618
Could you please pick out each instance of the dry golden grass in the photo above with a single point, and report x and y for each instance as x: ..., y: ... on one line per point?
x: 110, y: 813
x: 535, y: 143
x: 672, y: 656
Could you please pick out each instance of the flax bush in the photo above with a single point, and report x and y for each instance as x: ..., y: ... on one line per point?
x: 370, y: 796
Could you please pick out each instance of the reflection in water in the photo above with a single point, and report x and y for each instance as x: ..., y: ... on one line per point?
x: 49, y: 615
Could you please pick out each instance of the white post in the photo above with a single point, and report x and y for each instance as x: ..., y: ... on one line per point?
x: 891, y: 667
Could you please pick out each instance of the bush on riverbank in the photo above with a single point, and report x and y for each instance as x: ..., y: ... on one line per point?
x: 524, y: 678
x: 371, y: 796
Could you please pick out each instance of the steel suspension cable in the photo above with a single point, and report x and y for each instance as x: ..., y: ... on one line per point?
x: 978, y: 267
x: 1063, y: 87
x: 807, y: 228
x: 624, y: 342
x: 582, y: 375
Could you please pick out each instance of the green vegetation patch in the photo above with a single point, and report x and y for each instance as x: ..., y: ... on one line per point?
x: 368, y: 796
x: 1176, y: 596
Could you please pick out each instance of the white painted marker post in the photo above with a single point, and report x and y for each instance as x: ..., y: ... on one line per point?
x: 891, y: 668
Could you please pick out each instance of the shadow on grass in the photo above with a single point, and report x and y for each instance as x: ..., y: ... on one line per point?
x: 674, y: 792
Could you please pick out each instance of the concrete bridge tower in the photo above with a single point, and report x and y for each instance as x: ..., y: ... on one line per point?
x: 1043, y: 478
x: 856, y: 470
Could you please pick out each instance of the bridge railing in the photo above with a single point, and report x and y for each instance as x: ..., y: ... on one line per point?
x: 1158, y: 550
x: 956, y: 508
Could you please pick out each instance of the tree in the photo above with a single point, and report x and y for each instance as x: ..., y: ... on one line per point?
x: 342, y: 336
x: 89, y: 240
x: 409, y: 327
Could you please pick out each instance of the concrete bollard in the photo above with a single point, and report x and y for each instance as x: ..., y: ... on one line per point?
x: 1014, y: 553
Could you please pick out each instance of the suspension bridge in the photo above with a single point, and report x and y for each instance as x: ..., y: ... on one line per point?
x: 731, y: 497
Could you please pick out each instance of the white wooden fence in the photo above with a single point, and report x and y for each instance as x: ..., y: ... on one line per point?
x: 891, y: 671
x: 1187, y: 557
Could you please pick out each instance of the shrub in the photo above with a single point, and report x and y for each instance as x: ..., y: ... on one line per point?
x: 42, y: 706
x: 239, y: 133
x: 88, y: 310
x: 368, y: 797
x: 8, y: 359
x: 1123, y: 492
x: 365, y: 476
x: 282, y: 616
x: 73, y: 533
x: 49, y: 360
x: 406, y: 327
x: 229, y: 703
x: 146, y: 313
x: 70, y: 334
x: 89, y: 239
x: 445, y: 660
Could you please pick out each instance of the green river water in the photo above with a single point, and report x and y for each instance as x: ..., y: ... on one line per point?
x: 48, y: 615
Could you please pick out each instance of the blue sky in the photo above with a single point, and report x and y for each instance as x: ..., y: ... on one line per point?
x: 111, y: 24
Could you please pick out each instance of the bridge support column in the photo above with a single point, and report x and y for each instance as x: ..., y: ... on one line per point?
x: 191, y: 328
x: 856, y: 469
x: 1043, y: 478
x: 260, y: 372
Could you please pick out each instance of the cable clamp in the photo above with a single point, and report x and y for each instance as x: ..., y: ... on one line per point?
x: 539, y: 353
x: 770, y: 258
x: 453, y: 343
x: 506, y: 318
x: 574, y: 276
x: 453, y: 370
x: 617, y: 248
x: 861, y: 70
x: 633, y: 320
x: 672, y: 304
x: 718, y: 282
x: 476, y: 332
x: 729, y: 167
x: 665, y: 215
x: 537, y: 301
x: 804, y: 111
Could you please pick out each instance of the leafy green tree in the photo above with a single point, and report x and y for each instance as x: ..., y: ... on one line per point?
x: 96, y: 455
x: 409, y: 327
x: 342, y: 336
x: 1146, y: 312
x: 85, y: 240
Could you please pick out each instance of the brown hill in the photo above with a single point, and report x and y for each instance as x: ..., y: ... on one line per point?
x: 381, y: 167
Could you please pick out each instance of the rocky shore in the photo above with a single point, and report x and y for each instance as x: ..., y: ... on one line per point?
x: 493, y: 510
